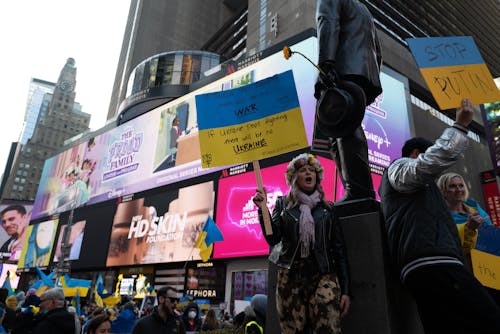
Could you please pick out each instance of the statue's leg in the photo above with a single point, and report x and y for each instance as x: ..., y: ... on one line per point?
x: 351, y: 156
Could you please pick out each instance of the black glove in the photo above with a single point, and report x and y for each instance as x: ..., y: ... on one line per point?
x: 327, y: 80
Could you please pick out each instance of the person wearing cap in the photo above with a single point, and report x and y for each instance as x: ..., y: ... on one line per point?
x: 350, y: 60
x: 164, y: 318
x: 307, y: 245
x: 55, y: 318
x: 125, y: 320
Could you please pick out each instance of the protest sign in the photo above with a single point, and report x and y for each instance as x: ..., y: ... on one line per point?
x: 453, y: 69
x: 249, y: 123
x: 486, y: 268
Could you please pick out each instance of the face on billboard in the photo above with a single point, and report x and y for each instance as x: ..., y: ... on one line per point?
x: 237, y: 215
x: 75, y: 239
x: 14, y: 221
x: 38, y: 244
x: 161, y: 228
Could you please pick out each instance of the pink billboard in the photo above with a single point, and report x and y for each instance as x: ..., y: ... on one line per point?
x: 237, y: 216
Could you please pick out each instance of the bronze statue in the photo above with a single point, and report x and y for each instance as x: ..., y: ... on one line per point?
x: 350, y: 58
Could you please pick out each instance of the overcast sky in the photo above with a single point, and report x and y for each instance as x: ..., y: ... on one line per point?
x: 36, y: 39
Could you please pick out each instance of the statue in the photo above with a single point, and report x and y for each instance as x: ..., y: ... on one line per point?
x: 349, y: 80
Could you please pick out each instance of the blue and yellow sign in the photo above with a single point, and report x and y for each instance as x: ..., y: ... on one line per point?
x: 453, y: 69
x: 486, y: 268
x: 252, y: 122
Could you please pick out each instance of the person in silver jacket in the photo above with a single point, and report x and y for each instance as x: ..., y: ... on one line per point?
x: 423, y: 239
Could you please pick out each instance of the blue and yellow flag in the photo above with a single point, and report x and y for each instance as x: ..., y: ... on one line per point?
x: 207, y: 237
x: 453, y: 69
x: 252, y: 122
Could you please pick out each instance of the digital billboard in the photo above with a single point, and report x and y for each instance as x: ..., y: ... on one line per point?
x: 162, y: 147
x: 9, y: 270
x: 160, y: 228
x: 38, y: 244
x: 75, y: 240
x: 15, y: 218
x: 237, y: 215
x: 157, y: 148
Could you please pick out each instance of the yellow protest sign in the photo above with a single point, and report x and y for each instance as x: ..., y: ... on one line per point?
x: 252, y: 122
x: 450, y: 84
x: 486, y: 268
x: 453, y: 69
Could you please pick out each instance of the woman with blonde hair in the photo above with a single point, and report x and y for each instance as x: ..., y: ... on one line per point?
x: 468, y: 215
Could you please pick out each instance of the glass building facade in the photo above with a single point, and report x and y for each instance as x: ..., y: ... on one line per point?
x: 171, y: 68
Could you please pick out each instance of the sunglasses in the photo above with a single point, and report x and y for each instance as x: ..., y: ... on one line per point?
x: 173, y: 300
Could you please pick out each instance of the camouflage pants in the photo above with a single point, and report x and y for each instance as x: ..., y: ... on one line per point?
x: 307, y: 302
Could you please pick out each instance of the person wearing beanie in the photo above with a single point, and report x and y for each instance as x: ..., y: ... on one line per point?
x: 307, y: 245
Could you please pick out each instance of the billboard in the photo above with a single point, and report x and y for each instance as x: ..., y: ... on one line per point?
x: 38, y: 244
x: 157, y: 148
x: 9, y: 270
x: 75, y: 240
x: 14, y: 217
x: 237, y: 215
x: 160, y: 228
x: 162, y: 146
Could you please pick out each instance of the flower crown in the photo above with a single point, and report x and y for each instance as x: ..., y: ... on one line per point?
x: 300, y: 161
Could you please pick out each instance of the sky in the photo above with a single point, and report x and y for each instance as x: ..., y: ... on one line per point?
x: 36, y: 39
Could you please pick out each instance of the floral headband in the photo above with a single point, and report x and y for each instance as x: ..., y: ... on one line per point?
x: 300, y: 161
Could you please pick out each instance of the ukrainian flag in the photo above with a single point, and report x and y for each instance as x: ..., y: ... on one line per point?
x: 207, y: 237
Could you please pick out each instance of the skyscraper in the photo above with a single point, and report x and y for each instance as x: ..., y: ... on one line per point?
x: 59, y: 118
x: 35, y: 103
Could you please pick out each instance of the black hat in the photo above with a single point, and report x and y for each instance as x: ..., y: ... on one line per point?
x: 340, y: 110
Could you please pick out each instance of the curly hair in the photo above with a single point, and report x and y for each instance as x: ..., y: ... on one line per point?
x: 292, y: 176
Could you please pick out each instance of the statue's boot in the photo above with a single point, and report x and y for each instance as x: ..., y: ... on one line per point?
x: 351, y: 157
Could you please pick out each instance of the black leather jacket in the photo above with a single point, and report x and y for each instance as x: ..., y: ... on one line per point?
x: 329, y: 247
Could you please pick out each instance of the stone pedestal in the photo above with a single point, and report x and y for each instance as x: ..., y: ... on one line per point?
x: 380, y: 304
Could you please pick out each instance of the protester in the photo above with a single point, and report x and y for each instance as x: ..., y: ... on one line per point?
x: 211, y: 322
x: 125, y: 320
x: 191, y: 317
x: 10, y: 314
x: 99, y: 325
x: 308, y: 247
x: 423, y: 238
x: 468, y: 215
x: 55, y: 319
x: 78, y: 324
x: 165, y: 318
x: 2, y: 314
x: 255, y: 315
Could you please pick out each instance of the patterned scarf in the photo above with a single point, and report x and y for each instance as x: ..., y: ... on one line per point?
x: 306, y: 230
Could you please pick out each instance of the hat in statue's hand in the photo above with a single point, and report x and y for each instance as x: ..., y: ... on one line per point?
x: 340, y: 110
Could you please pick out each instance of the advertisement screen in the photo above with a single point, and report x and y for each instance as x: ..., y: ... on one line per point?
x: 157, y: 148
x: 386, y: 123
x: 75, y: 239
x: 205, y: 282
x: 15, y: 217
x: 237, y: 215
x: 160, y: 228
x: 38, y: 244
x: 9, y: 270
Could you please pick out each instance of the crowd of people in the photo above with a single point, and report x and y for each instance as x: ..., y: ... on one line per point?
x: 52, y: 313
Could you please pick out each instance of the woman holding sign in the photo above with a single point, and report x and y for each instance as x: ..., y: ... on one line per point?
x: 308, y: 247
